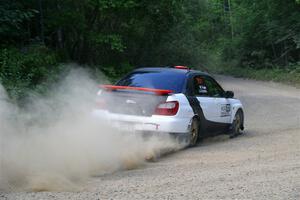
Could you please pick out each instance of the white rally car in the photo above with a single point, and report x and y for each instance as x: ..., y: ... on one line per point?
x: 186, y: 103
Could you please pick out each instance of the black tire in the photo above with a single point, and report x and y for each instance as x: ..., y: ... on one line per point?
x: 237, y: 124
x: 194, y: 132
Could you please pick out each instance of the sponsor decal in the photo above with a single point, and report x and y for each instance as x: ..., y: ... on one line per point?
x: 225, y: 110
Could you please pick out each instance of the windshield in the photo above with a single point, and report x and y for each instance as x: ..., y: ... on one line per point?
x: 155, y: 79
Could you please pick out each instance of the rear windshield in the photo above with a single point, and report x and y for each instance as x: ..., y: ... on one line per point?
x: 155, y: 79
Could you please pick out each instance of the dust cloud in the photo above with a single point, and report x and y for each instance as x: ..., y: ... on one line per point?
x: 54, y: 143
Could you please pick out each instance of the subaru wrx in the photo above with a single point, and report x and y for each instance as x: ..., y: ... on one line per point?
x: 185, y: 103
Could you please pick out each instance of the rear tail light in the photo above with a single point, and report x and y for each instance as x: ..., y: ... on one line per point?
x: 167, y: 108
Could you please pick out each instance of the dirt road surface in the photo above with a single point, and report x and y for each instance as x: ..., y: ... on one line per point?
x: 264, y: 163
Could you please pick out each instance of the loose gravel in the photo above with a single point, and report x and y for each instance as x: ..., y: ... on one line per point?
x: 263, y: 163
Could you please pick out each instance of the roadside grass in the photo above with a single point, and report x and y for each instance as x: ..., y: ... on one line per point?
x: 287, y: 76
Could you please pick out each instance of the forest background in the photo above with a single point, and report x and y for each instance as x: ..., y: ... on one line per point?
x: 248, y: 38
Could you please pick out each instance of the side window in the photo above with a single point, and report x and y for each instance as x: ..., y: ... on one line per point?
x: 214, y: 89
x: 200, y: 88
x: 206, y: 86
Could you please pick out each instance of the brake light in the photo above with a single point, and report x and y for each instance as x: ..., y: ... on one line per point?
x: 167, y: 108
x: 181, y: 67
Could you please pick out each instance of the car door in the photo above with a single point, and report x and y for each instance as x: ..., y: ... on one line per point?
x: 207, y: 102
x: 215, y: 107
x: 223, y: 107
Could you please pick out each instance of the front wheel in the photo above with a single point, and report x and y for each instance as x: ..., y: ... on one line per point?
x: 237, y: 124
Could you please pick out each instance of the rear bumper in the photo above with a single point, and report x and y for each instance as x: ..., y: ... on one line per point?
x: 153, y: 124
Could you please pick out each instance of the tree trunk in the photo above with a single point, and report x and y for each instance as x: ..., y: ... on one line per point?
x: 42, y: 35
x: 59, y: 31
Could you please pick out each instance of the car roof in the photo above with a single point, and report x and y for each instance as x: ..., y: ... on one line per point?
x: 171, y: 70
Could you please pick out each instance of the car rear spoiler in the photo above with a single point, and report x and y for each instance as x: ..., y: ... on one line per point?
x: 119, y: 87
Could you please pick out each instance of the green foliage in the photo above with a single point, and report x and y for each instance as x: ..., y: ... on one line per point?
x: 114, y: 41
x: 27, y: 69
x: 265, y: 33
x: 12, y: 20
x: 114, y: 35
x: 116, y: 72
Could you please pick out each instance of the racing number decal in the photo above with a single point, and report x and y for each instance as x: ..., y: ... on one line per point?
x: 225, y: 110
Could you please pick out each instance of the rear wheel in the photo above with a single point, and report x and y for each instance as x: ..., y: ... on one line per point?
x: 194, y: 132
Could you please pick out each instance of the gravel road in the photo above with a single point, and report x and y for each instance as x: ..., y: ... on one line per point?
x: 264, y: 163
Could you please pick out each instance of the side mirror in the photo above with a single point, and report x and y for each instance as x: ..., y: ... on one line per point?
x: 229, y: 94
